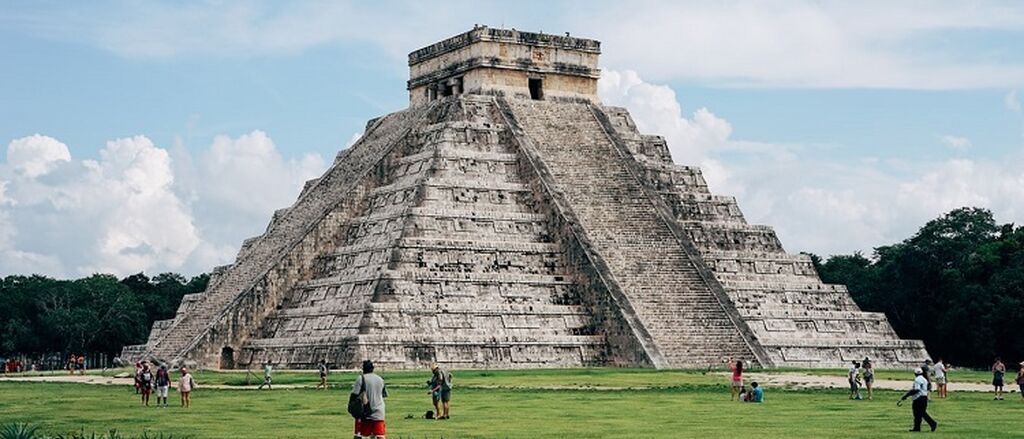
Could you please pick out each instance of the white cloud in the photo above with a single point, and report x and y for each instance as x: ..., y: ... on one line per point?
x: 1011, y: 101
x: 36, y: 155
x: 825, y: 207
x: 134, y: 208
x: 804, y: 43
x: 956, y: 142
x: 656, y: 110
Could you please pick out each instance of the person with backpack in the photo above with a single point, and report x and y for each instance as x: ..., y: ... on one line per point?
x: 163, y: 384
x: 366, y: 404
x: 441, y: 391
x: 145, y: 383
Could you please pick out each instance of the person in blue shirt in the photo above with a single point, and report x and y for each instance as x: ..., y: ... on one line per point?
x: 919, y: 393
x: 756, y: 393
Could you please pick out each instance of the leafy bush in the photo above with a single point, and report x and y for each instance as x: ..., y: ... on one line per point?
x: 28, y: 431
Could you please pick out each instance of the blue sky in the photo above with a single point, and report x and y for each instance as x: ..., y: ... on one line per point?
x: 844, y: 125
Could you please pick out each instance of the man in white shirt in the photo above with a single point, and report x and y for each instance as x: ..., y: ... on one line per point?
x: 919, y: 393
x: 940, y: 378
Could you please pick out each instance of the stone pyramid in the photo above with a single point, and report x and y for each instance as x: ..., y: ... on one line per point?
x: 507, y: 219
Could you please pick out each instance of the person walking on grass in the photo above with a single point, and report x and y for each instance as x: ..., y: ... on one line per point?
x: 869, y: 377
x: 736, y: 367
x: 998, y: 371
x: 145, y: 383
x: 940, y: 378
x: 441, y: 391
x: 186, y: 384
x: 268, y: 369
x: 919, y: 393
x: 322, y: 368
x: 163, y: 384
x: 370, y: 389
x: 853, y: 376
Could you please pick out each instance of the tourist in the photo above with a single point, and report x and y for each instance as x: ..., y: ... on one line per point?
x: 145, y: 383
x: 163, y: 384
x: 744, y: 395
x: 998, y: 370
x: 138, y: 371
x: 322, y: 368
x: 853, y: 376
x: 72, y: 364
x: 940, y: 378
x: 736, y: 366
x: 441, y: 391
x: 919, y: 393
x: 267, y: 380
x: 756, y: 392
x: 185, y: 387
x: 869, y: 376
x: 81, y: 364
x: 370, y: 388
x: 1020, y: 379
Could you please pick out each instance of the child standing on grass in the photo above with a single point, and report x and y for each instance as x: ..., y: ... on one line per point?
x: 185, y: 387
x: 737, y: 377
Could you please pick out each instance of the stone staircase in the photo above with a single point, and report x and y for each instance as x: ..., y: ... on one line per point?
x: 797, y: 320
x: 671, y: 299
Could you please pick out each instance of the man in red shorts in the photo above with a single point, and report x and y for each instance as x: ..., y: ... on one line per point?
x: 370, y: 387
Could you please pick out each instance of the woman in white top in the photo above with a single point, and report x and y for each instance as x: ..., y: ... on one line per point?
x: 185, y: 387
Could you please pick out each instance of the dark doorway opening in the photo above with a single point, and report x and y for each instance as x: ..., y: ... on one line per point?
x: 536, y: 89
x: 227, y: 358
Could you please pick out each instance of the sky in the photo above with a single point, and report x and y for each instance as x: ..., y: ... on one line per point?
x: 156, y: 136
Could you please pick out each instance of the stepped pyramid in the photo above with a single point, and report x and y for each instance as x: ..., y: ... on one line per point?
x: 507, y: 219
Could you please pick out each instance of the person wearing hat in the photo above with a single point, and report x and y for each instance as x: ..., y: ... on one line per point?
x: 441, y: 391
x: 919, y: 394
x: 185, y: 387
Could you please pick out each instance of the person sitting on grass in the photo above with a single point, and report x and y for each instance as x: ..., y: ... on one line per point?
x: 756, y: 392
x: 744, y: 395
x: 268, y: 369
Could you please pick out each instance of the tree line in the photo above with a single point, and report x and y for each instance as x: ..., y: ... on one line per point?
x: 957, y: 284
x: 95, y: 314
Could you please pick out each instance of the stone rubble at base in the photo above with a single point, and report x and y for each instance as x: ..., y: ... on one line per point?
x: 507, y: 219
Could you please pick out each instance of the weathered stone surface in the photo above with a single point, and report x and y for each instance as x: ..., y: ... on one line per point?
x: 489, y: 229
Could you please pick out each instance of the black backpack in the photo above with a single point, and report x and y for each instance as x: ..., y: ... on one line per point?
x: 358, y: 403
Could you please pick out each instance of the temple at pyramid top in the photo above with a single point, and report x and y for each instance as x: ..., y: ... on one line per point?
x: 505, y: 61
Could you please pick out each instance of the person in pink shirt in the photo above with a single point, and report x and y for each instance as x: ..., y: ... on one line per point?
x: 736, y: 366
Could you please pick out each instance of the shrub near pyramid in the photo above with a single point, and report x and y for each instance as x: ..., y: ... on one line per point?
x: 507, y: 219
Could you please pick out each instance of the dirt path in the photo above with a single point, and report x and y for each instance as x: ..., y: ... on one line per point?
x: 805, y: 381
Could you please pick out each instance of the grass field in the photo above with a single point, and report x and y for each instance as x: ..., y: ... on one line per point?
x: 594, y: 403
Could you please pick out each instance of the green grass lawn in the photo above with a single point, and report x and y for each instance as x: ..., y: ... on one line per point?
x: 680, y: 404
